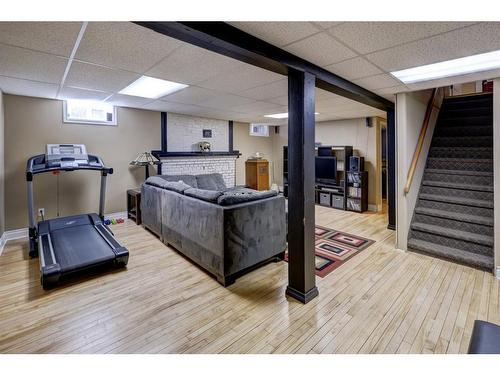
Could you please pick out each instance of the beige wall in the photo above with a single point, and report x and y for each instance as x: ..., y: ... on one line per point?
x: 352, y: 132
x: 31, y: 123
x: 248, y: 145
x: 410, y: 113
x: 2, y: 166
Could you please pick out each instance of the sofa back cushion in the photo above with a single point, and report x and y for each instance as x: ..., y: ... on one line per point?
x: 243, y: 195
x: 177, y: 186
x: 206, y: 195
x: 187, y: 178
x: 212, y: 181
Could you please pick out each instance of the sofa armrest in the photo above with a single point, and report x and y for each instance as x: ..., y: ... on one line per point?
x: 253, y: 232
x: 151, y: 208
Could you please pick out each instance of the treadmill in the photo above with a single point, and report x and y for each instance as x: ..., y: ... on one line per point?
x: 71, y: 244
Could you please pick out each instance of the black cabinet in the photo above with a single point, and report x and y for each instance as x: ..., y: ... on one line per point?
x: 357, y: 191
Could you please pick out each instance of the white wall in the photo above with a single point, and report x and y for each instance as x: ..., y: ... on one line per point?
x: 410, y: 113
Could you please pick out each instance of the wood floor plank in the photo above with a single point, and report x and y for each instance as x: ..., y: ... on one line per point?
x: 381, y: 300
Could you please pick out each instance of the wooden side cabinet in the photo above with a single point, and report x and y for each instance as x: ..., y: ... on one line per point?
x: 134, y: 205
x: 257, y: 174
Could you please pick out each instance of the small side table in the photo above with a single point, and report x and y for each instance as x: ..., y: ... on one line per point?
x: 134, y: 205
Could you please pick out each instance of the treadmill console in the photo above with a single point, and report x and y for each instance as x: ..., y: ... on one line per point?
x: 66, y: 156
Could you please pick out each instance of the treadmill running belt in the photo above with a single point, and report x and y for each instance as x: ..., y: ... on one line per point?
x: 80, y: 246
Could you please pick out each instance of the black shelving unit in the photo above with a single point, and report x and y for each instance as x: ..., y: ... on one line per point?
x: 357, y: 191
x: 334, y: 196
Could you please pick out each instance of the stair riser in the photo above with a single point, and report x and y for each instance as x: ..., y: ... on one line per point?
x: 453, y: 224
x: 456, y: 193
x: 465, y: 113
x: 459, y: 131
x: 466, y: 152
x: 461, y: 122
x: 477, y: 211
x: 450, y: 242
x: 459, y: 165
x: 450, y: 105
x: 459, y: 179
x: 462, y: 142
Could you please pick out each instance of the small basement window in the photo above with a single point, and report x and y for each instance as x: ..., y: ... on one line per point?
x: 89, y: 112
x: 259, y: 130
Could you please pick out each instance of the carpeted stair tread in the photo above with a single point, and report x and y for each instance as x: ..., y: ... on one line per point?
x: 462, y: 152
x: 460, y: 172
x: 483, y: 220
x: 452, y: 233
x: 461, y: 160
x: 457, y: 200
x: 462, y: 256
x: 454, y: 185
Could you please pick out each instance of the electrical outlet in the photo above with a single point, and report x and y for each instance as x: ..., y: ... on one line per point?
x: 41, y: 212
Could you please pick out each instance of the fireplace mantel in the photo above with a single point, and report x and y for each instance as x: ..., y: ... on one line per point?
x: 181, y: 154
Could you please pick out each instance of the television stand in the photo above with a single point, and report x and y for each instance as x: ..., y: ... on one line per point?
x: 330, y: 196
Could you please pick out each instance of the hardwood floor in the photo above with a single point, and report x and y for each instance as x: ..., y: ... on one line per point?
x: 381, y: 301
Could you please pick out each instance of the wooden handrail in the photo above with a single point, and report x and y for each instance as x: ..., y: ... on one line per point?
x: 420, y: 143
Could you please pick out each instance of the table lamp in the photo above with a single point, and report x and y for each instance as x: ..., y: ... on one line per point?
x: 145, y: 159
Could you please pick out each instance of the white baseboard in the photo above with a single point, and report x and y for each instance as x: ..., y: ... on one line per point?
x: 497, y: 272
x: 16, y: 234
x: 373, y: 207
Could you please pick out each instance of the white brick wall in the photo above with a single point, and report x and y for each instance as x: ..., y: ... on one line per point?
x: 184, y: 133
x: 225, y: 165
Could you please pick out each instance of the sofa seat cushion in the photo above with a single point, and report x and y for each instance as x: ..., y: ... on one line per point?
x: 212, y: 181
x: 206, y: 195
x: 177, y: 186
x: 242, y: 195
x: 186, y: 178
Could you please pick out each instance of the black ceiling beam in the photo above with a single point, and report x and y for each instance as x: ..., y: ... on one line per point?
x: 230, y: 41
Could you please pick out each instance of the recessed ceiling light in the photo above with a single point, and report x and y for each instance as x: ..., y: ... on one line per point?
x: 153, y: 88
x: 282, y: 115
x: 450, y: 68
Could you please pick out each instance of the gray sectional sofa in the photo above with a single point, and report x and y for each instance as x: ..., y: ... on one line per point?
x: 225, y: 231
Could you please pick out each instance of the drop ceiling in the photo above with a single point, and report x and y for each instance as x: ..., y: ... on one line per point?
x: 62, y: 60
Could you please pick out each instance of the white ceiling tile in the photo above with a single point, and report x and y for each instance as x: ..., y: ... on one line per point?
x: 326, y: 25
x: 128, y: 101
x: 365, y: 37
x: 78, y: 93
x: 95, y: 77
x: 190, y: 95
x: 25, y: 64
x: 269, y: 91
x: 17, y: 86
x: 257, y: 107
x: 56, y: 38
x: 190, y: 65
x: 392, y: 90
x: 124, y: 45
x: 379, y: 81
x: 354, y: 68
x: 277, y: 33
x: 240, y: 79
x: 479, y: 38
x: 160, y: 105
x: 320, y: 49
x: 225, y: 101
x: 282, y: 100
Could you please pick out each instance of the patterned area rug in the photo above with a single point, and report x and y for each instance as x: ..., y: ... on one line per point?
x: 333, y: 248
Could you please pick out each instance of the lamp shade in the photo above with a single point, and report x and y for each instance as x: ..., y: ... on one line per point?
x: 145, y: 158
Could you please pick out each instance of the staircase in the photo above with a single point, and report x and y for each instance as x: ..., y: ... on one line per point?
x: 453, y: 216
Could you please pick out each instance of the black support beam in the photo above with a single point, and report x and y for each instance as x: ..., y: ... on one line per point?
x: 391, y: 169
x: 230, y: 41
x: 231, y: 136
x: 301, y: 124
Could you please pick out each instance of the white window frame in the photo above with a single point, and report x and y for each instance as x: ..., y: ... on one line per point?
x: 258, y: 134
x: 66, y: 120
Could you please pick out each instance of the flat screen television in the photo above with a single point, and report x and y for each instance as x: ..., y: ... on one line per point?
x: 326, y: 170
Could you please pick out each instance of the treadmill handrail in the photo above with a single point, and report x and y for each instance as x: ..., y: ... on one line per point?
x: 30, y: 171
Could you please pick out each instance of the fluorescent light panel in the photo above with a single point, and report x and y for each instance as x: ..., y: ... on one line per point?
x: 282, y: 115
x: 450, y: 68
x: 153, y: 88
